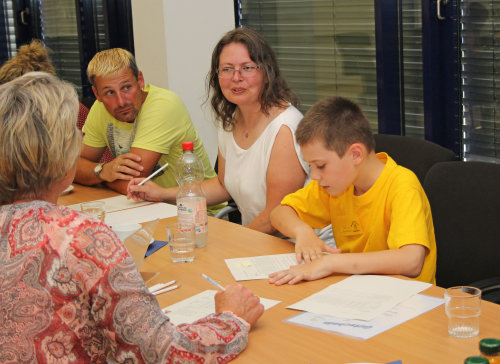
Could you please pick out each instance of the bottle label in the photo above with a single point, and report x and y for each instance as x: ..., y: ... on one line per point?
x: 195, y: 212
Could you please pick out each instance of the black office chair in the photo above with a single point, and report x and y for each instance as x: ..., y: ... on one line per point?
x: 418, y: 155
x: 464, y: 199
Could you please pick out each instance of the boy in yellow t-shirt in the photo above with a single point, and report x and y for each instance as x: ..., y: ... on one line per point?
x: 380, y: 215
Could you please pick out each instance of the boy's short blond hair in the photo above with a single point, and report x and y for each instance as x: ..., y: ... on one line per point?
x: 110, y: 62
x: 39, y: 139
x: 338, y: 122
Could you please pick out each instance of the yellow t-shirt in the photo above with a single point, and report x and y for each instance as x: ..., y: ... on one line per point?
x: 394, y: 212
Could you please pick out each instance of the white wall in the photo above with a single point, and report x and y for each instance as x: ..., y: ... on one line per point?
x: 174, y: 40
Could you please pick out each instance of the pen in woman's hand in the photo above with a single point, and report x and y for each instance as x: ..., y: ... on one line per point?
x: 213, y: 282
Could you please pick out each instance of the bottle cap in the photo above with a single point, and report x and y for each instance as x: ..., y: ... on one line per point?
x: 187, y: 146
x: 490, y: 346
x: 476, y: 360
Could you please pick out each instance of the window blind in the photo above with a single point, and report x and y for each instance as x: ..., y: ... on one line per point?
x: 10, y: 30
x: 324, y: 48
x: 480, y: 53
x: 59, y: 33
x: 411, y: 40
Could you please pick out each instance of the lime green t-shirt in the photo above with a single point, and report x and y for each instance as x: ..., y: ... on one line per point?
x: 163, y: 123
x: 161, y: 126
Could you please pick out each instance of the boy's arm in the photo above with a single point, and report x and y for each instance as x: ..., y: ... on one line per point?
x: 308, y: 246
x: 407, y: 260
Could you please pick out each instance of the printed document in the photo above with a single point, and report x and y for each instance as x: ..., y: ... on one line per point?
x: 360, y: 297
x: 199, y: 306
x: 406, y: 310
x: 244, y: 269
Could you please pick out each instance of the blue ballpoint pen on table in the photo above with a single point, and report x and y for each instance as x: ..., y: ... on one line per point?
x: 213, y: 282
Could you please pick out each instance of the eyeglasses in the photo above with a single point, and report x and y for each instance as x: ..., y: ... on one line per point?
x: 245, y: 71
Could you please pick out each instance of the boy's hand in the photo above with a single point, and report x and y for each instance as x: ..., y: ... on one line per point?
x: 312, y: 248
x: 302, y: 272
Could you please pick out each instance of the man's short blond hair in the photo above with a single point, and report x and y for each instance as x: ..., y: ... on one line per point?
x: 39, y: 140
x: 110, y: 62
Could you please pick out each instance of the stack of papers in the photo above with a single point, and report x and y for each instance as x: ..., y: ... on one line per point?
x: 364, y: 305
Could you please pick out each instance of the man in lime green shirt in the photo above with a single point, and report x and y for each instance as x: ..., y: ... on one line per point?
x: 143, y: 126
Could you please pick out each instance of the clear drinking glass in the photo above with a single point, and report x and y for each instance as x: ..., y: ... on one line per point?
x: 94, y: 208
x: 181, y: 237
x: 463, y: 307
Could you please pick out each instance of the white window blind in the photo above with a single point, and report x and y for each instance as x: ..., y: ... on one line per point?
x: 324, y: 48
x: 480, y: 51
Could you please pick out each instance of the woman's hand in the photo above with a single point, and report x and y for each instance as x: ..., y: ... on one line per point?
x: 149, y: 191
x: 240, y: 301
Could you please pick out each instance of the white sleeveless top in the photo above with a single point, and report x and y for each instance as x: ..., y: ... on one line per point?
x: 246, y: 169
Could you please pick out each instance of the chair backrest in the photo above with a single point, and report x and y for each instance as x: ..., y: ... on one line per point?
x: 418, y: 155
x: 464, y: 199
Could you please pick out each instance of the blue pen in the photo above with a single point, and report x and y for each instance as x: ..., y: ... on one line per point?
x: 213, y: 282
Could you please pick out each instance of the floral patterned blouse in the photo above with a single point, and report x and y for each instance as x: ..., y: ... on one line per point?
x: 70, y: 293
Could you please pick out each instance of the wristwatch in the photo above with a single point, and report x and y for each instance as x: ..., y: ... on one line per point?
x: 98, y: 170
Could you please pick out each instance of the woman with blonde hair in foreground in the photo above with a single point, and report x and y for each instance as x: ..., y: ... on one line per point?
x: 70, y: 292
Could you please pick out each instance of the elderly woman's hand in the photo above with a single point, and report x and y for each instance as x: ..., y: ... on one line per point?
x: 240, y: 301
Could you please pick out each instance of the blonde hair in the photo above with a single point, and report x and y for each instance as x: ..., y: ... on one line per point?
x: 30, y: 57
x: 110, y: 62
x: 39, y: 139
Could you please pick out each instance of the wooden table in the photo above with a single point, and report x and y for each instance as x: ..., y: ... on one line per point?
x: 423, y: 339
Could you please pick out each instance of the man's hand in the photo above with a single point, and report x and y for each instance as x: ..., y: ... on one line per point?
x: 241, y: 301
x: 123, y: 167
x: 311, y: 248
x: 149, y: 191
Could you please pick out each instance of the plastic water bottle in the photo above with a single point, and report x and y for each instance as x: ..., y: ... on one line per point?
x: 191, y: 200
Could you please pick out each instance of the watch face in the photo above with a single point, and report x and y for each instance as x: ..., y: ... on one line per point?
x: 98, y: 169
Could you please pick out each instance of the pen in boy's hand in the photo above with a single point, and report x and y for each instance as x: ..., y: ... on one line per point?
x: 213, y: 282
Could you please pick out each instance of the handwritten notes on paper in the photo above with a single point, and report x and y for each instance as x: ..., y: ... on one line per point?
x: 244, y: 269
x: 199, y: 306
x: 360, y: 297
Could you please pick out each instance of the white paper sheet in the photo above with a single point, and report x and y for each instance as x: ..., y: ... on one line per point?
x: 141, y: 214
x: 360, y: 297
x: 116, y: 203
x: 406, y: 310
x: 199, y: 306
x: 244, y: 269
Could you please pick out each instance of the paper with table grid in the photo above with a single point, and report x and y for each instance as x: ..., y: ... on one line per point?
x: 245, y: 269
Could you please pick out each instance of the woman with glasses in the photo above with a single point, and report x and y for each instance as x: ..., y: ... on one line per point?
x: 70, y: 291
x: 259, y: 161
